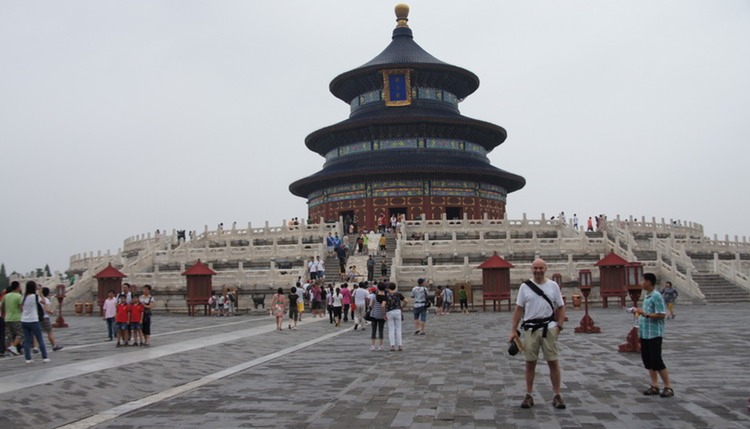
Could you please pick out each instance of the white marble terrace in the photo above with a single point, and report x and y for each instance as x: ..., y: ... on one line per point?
x: 444, y: 251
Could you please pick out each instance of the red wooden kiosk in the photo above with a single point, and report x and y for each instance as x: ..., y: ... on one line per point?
x: 108, y: 279
x: 495, y: 281
x: 199, y: 286
x: 612, y: 278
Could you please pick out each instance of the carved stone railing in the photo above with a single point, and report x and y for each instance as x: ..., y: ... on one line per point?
x: 731, y: 270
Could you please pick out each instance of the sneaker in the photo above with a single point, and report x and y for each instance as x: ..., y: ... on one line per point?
x: 528, y: 401
x: 355, y: 326
x: 558, y: 403
x: 13, y: 351
x: 45, y: 360
x: 393, y: 348
x: 29, y: 361
x: 372, y: 348
x: 380, y: 348
x: 56, y: 348
x: 400, y: 348
x: 35, y: 350
x: 416, y: 332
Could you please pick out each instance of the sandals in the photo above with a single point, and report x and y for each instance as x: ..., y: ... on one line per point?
x: 528, y: 402
x: 668, y: 392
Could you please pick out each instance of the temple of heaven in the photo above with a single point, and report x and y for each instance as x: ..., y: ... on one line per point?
x: 406, y: 148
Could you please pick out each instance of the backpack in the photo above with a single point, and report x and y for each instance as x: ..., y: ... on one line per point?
x: 393, y: 300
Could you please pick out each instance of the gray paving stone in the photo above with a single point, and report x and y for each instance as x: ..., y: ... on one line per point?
x: 461, y: 377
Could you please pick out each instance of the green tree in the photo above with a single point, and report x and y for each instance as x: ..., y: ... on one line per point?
x: 47, y: 271
x: 39, y: 272
x: 4, y: 280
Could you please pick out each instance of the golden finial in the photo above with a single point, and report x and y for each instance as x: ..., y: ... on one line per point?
x: 402, y: 15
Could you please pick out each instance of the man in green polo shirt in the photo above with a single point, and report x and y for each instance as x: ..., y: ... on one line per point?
x: 11, y: 309
x: 651, y: 332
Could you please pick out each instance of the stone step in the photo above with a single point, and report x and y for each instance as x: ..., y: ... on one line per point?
x: 645, y: 255
x: 717, y: 289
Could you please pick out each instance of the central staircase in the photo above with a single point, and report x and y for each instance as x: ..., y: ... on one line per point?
x: 718, y: 290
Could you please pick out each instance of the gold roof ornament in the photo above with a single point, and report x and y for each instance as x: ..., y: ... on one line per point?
x: 402, y: 15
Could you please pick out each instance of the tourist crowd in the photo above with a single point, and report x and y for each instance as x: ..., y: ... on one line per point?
x: 25, y: 315
x: 364, y: 303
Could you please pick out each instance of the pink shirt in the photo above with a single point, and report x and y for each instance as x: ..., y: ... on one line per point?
x: 110, y: 308
x: 347, y: 296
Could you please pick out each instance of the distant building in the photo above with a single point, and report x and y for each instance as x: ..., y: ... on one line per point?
x: 405, y: 148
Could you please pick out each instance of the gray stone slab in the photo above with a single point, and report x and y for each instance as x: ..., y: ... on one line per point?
x: 239, y: 372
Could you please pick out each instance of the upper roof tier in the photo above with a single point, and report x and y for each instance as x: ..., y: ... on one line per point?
x: 403, y: 52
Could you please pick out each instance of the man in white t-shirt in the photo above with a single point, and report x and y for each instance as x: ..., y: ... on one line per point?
x: 542, y: 323
x: 312, y: 267
x: 321, y: 269
x: 359, y: 296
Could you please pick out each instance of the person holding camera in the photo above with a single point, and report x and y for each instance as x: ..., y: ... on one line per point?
x: 539, y: 304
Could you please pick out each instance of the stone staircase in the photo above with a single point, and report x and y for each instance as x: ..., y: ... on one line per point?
x: 332, y: 269
x: 332, y: 262
x: 390, y: 253
x: 718, y: 290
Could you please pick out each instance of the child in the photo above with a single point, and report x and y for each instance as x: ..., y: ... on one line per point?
x: 122, y: 318
x: 46, y: 322
x: 136, y: 320
x: 220, y: 306
x: 109, y: 310
x: 463, y: 298
x: 212, y: 304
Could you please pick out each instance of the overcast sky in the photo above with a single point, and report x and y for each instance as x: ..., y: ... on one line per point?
x: 118, y: 118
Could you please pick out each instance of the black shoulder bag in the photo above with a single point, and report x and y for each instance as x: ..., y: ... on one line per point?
x: 543, y: 322
x: 427, y: 303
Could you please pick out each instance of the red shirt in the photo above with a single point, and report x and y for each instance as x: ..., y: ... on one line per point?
x: 123, y: 313
x: 136, y: 313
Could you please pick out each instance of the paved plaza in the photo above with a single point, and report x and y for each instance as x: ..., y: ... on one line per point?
x: 239, y: 372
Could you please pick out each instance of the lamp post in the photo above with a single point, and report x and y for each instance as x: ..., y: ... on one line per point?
x: 587, y: 325
x: 633, y: 274
x: 60, y: 322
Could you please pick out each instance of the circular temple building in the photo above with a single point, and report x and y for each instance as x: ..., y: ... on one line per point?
x: 406, y: 148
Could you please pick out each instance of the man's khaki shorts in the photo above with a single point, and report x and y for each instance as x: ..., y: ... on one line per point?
x: 532, y: 342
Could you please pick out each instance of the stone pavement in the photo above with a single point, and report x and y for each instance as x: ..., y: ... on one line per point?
x: 239, y: 372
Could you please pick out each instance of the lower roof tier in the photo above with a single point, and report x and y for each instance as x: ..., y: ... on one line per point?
x: 417, y: 164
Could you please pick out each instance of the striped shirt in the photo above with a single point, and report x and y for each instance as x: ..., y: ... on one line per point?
x: 649, y: 328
